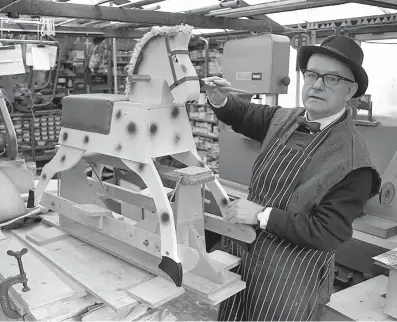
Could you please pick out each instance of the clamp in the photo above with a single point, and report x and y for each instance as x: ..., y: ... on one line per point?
x: 10, y: 281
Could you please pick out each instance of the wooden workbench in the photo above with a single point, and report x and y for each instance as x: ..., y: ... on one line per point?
x: 67, y: 277
x: 361, y: 302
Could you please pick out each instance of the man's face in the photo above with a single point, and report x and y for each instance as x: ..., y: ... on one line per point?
x: 325, y: 99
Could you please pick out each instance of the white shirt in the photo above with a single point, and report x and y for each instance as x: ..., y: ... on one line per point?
x: 324, y: 122
x: 263, y: 216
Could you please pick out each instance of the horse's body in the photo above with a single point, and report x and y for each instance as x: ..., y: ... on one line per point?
x: 150, y: 122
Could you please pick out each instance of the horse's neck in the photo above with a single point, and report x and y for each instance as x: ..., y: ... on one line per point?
x: 156, y: 64
x: 154, y: 92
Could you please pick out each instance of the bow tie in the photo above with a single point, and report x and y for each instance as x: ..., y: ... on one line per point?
x: 311, y: 126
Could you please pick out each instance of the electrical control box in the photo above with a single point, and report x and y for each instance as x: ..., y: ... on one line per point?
x: 258, y: 64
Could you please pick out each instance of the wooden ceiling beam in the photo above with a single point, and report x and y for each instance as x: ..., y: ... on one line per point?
x: 275, y: 7
x: 139, y: 4
x: 74, y: 31
x: 82, y: 11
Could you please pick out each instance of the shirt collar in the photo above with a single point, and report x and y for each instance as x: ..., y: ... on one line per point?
x: 325, y: 121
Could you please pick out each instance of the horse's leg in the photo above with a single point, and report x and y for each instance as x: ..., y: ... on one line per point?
x: 65, y: 158
x: 191, y: 158
x: 170, y: 262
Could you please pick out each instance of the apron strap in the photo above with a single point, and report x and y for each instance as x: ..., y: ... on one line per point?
x: 291, y: 122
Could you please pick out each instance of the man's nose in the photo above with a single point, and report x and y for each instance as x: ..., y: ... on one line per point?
x: 319, y: 83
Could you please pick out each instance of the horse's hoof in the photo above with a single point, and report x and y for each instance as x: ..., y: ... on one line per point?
x: 173, y: 269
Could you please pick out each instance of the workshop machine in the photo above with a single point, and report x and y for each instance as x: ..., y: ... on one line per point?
x: 15, y: 178
x: 16, y: 94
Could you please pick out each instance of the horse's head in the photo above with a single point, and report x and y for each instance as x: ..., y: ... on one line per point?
x: 163, y: 53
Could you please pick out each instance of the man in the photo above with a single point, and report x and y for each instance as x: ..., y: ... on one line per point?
x: 309, y: 182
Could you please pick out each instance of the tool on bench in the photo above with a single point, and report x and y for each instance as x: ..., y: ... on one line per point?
x: 9, y: 282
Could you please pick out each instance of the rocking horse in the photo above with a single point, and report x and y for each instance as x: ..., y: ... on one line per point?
x: 128, y: 132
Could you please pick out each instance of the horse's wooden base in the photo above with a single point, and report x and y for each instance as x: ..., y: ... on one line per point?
x: 205, y: 289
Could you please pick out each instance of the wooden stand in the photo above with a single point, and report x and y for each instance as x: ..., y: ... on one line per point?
x: 82, y: 214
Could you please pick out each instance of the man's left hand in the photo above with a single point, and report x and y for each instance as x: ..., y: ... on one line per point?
x: 242, y: 211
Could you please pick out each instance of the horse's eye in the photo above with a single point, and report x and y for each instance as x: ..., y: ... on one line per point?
x: 176, y: 59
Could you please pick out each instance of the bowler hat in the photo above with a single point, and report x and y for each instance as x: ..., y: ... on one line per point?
x: 345, y: 50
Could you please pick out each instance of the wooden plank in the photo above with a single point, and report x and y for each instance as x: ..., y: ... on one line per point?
x: 93, y: 214
x: 73, y: 10
x: 74, y: 303
x: 63, y: 310
x: 141, y: 3
x: 191, y: 175
x: 224, y: 260
x: 362, y: 302
x: 274, y: 7
x: 223, y: 227
x: 388, y: 259
x: 104, y: 276
x: 156, y: 292
x: 46, y: 236
x: 202, y: 287
x: 92, y: 210
x: 123, y: 194
x: 391, y: 295
x: 76, y: 31
x: 219, y: 296
x: 376, y: 226
x: 212, y: 223
x: 123, y: 231
x: 45, y: 286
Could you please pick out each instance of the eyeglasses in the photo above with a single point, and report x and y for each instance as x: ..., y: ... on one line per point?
x: 330, y: 80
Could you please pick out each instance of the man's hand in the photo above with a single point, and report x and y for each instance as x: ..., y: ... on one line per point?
x: 214, y: 92
x: 242, y: 211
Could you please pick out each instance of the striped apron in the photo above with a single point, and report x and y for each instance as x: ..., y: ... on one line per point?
x: 284, y: 282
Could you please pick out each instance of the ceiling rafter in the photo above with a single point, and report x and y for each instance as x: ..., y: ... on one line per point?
x: 26, y: 28
x: 82, y: 11
x: 275, y: 7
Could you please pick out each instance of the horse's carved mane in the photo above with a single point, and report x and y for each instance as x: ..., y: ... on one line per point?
x: 142, y: 43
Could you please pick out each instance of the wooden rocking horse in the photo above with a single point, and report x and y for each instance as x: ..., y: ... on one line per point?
x: 128, y: 132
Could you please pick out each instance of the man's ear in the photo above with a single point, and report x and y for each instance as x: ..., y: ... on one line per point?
x: 352, y: 90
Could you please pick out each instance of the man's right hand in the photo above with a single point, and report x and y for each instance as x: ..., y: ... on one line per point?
x: 217, y: 91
